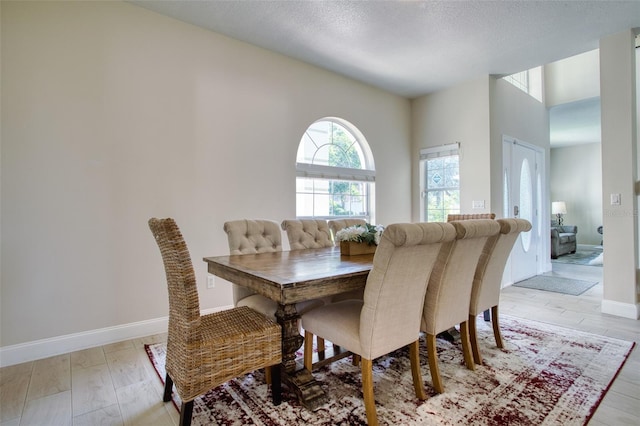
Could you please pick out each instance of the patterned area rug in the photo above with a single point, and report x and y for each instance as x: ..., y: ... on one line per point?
x: 545, y: 375
x: 582, y: 256
x: 556, y: 284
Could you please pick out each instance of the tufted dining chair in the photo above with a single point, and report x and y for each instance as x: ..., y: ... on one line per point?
x: 467, y: 216
x: 204, y: 351
x: 251, y: 237
x: 449, y: 290
x: 388, y: 318
x: 307, y: 233
x: 336, y: 225
x: 487, y: 281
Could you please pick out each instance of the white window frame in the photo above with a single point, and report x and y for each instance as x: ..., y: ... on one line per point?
x: 366, y: 175
x: 427, y: 154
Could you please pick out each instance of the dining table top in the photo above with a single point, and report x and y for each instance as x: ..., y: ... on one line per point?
x: 294, y: 276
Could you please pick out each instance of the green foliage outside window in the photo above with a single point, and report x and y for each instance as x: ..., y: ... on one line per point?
x: 442, y: 184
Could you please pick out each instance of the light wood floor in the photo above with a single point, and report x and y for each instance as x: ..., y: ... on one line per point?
x: 115, y: 384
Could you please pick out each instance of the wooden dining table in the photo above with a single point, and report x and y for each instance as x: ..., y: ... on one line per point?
x: 289, y: 277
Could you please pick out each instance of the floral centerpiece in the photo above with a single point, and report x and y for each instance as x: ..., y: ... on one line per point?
x: 359, y: 239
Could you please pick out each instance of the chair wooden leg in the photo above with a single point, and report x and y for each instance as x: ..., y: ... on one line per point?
x: 355, y: 360
x: 168, y: 388
x: 367, y: 391
x: 185, y: 413
x: 320, y: 344
x: 496, y: 326
x: 276, y: 384
x: 267, y: 375
x: 466, y: 345
x: 308, y: 350
x: 433, y: 363
x: 414, y: 356
x: 473, y: 336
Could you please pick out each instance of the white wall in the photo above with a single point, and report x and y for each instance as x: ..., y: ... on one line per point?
x: 458, y: 114
x: 576, y: 178
x: 572, y: 79
x: 620, y: 174
x: 112, y: 114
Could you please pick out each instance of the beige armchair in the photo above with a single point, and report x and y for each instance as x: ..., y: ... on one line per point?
x: 449, y: 291
x: 487, y: 281
x: 389, y: 316
x: 307, y: 233
x: 337, y: 224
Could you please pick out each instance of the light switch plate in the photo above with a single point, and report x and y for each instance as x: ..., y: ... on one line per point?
x: 477, y: 204
x: 616, y: 199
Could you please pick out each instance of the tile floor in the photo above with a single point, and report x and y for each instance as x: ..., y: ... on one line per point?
x: 116, y: 385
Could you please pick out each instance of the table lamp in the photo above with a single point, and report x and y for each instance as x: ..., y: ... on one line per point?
x: 559, y: 208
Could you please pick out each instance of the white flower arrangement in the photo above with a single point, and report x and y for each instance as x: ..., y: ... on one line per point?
x: 366, y: 233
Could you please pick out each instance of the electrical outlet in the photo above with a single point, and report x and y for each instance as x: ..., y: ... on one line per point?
x: 211, y: 281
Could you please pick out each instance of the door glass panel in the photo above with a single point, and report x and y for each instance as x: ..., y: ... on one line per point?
x: 526, y: 201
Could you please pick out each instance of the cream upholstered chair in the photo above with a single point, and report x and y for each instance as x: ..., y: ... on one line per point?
x: 487, y: 281
x: 250, y: 237
x: 257, y: 236
x: 204, y: 351
x: 449, y: 290
x: 307, y: 233
x: 467, y: 216
x: 336, y: 225
x: 389, y: 316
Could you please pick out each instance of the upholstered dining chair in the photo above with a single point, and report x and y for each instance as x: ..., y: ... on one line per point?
x: 336, y: 225
x: 449, y: 290
x: 487, y: 281
x: 251, y: 237
x: 467, y: 216
x: 204, y: 351
x: 307, y: 233
x: 389, y: 316
x: 258, y: 236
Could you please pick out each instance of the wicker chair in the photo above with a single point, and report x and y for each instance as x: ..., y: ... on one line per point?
x: 449, y: 291
x: 204, y: 351
x: 487, y: 281
x: 389, y: 316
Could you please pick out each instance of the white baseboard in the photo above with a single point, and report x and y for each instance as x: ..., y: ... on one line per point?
x: 44, y: 348
x: 625, y: 310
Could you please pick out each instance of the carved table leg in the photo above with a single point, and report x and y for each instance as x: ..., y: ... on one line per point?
x: 302, y: 381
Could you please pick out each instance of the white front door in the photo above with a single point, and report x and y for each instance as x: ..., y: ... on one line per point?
x: 522, y: 200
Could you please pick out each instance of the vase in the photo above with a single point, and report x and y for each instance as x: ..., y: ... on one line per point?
x: 352, y: 248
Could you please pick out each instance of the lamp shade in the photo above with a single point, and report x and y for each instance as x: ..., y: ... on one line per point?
x: 558, y: 207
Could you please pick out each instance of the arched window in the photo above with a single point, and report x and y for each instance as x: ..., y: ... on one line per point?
x: 335, y: 172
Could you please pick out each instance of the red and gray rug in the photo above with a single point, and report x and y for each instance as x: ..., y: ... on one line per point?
x: 545, y: 375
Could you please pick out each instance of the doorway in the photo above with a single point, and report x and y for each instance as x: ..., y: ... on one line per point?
x: 522, y: 194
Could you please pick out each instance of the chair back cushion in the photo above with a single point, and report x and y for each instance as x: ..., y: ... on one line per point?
x: 253, y: 236
x: 487, y: 280
x: 337, y: 224
x: 449, y: 291
x: 184, y: 306
x: 396, y: 285
x: 452, y: 217
x: 307, y: 234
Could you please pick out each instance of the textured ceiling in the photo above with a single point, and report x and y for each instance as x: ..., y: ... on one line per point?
x: 412, y: 48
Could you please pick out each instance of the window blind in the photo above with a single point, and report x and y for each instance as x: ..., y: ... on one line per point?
x: 440, y: 151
